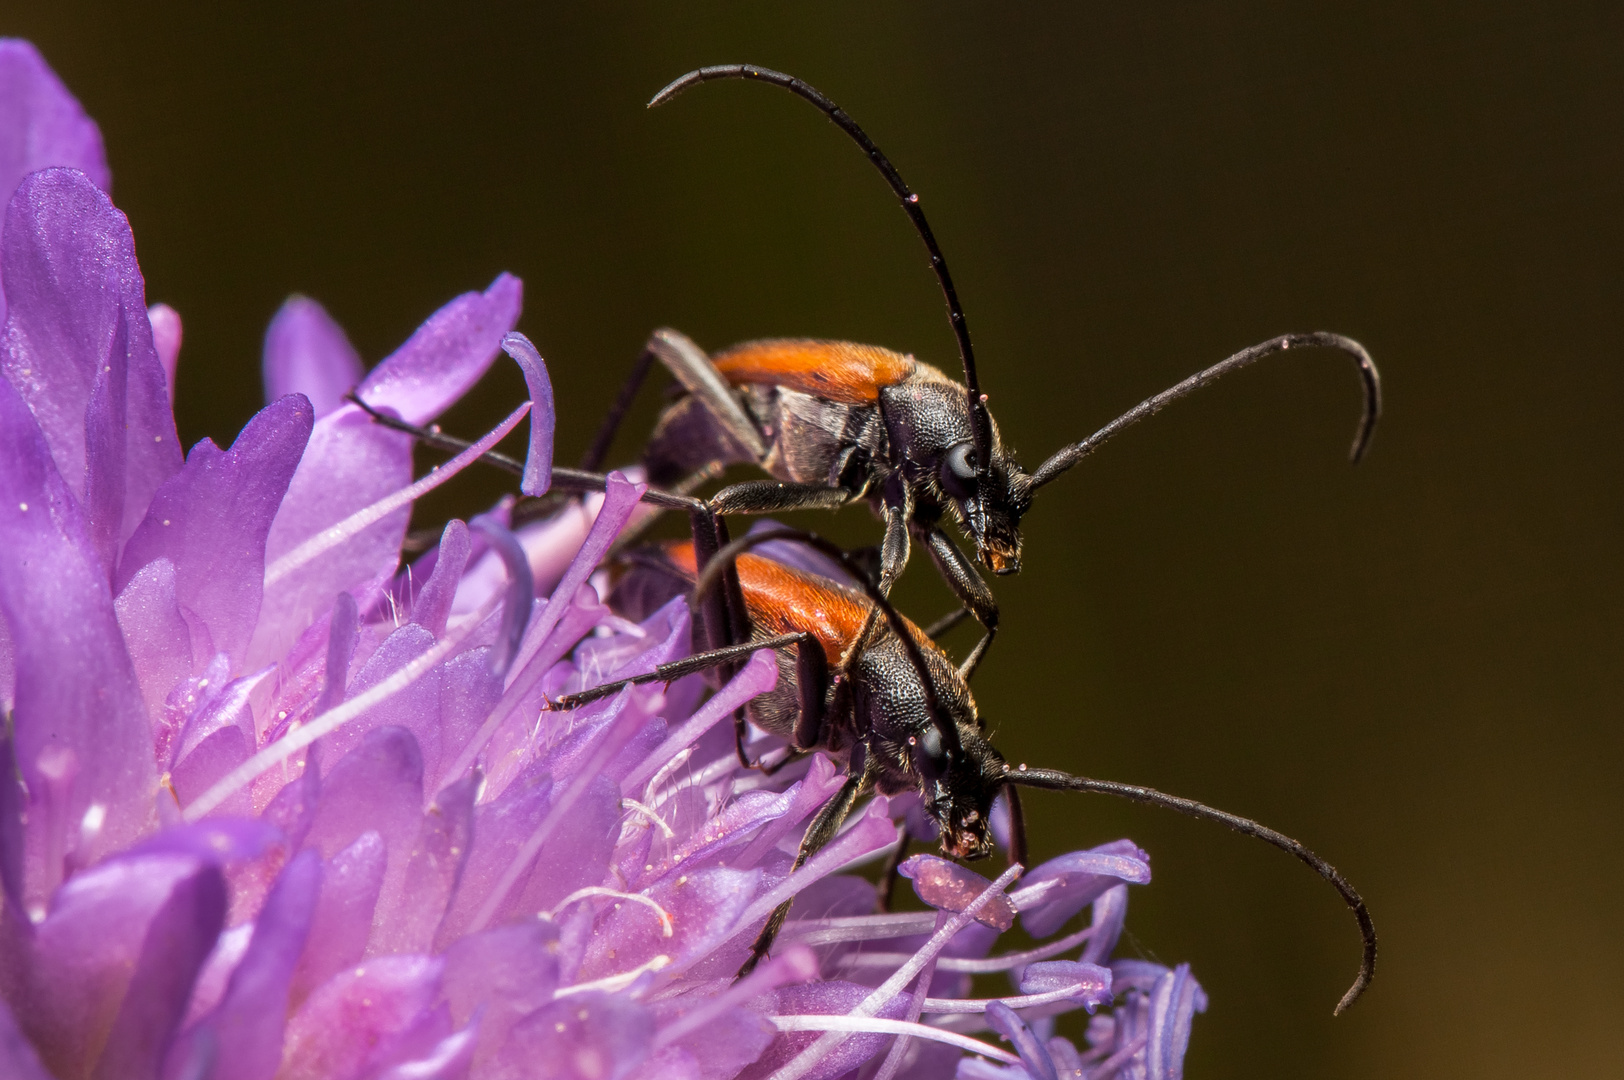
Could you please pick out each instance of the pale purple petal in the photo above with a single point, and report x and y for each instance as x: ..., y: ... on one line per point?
x: 446, y: 355
x: 729, y: 1040
x: 77, y: 707
x: 431, y: 607
x: 704, y: 908
x: 378, y: 786
x: 155, y: 632
x: 214, y: 757
x: 230, y: 707
x: 166, y: 338
x: 18, y: 1061
x: 178, y: 939
x: 218, y: 841
x: 41, y: 123
x: 501, y: 975
x: 1089, y: 984
x: 78, y: 316
x: 578, y: 855
x: 353, y: 1021
x: 211, y: 519
x: 1056, y: 890
x: 343, y: 635
x: 1034, y: 1055
x: 948, y: 886
x: 619, y: 501
x: 447, y: 1059
x: 521, y: 590
x: 408, y: 918
x: 1110, y: 913
x: 832, y: 997
x: 469, y: 690
x: 417, y: 708
x: 253, y: 1012
x: 591, y: 1036
x: 500, y: 827
x: 349, y: 464
x: 85, y: 952
x: 307, y: 353
x: 350, y: 882
x: 538, y: 462
x: 1174, y: 1000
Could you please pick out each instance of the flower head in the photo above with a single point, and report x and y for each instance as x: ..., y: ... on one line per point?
x: 272, y: 804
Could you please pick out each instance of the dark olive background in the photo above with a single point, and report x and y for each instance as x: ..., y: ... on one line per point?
x: 1411, y: 665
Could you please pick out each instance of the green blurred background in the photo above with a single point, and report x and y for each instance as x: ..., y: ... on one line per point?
x: 1411, y: 665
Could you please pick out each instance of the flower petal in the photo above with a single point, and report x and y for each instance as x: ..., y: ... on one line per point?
x: 830, y: 998
x: 446, y: 355
x: 1034, y: 1055
x: 17, y: 1058
x: 591, y: 1036
x: 501, y: 975
x: 417, y: 708
x: 378, y: 786
x: 948, y: 886
x: 307, y: 353
x: 1174, y: 999
x: 538, y: 462
x: 500, y: 827
x: 77, y: 319
x: 41, y: 123
x: 77, y: 708
x: 178, y: 939
x: 432, y: 605
x: 87, y: 950
x: 211, y: 520
x: 407, y: 919
x: 356, y: 1018
x: 339, y: 929
x: 155, y: 632
x: 167, y: 333
x: 1089, y: 985
x: 521, y: 590
x: 349, y: 463
x: 250, y: 1018
x: 1058, y: 889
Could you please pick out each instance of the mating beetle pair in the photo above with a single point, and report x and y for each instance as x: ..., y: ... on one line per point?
x: 832, y: 423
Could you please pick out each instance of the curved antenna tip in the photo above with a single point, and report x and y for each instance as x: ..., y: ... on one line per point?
x: 1055, y: 780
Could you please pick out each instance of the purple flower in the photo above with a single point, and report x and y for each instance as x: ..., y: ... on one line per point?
x: 274, y: 805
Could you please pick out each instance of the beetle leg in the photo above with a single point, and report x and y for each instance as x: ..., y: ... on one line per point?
x: 776, y: 496
x: 894, y: 550
x: 694, y: 370
x: 811, y: 686
x: 676, y: 669
x: 969, y: 587
x: 946, y: 622
x: 823, y: 829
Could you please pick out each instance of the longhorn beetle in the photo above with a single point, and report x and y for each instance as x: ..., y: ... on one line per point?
x: 868, y: 687
x: 834, y: 422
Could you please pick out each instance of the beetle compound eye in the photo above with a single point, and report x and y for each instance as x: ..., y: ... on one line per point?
x: 930, y: 756
x: 959, y: 469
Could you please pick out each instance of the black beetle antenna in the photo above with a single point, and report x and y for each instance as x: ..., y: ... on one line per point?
x: 982, y: 424
x: 1068, y: 456
x: 1055, y: 780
